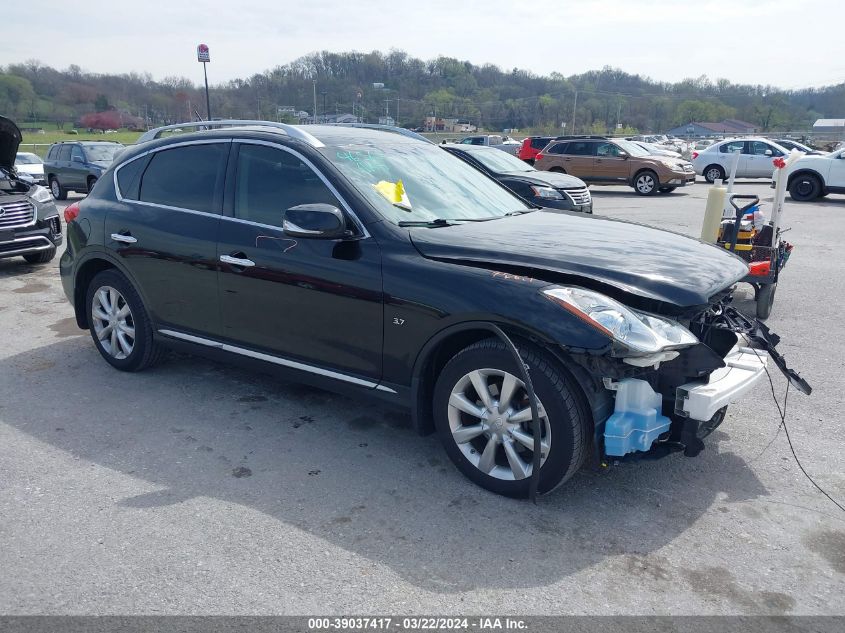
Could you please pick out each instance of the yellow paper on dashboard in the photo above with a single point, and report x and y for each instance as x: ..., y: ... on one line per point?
x: 394, y: 193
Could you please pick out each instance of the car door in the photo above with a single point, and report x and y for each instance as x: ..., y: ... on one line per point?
x: 304, y: 301
x: 62, y: 168
x: 758, y: 162
x: 164, y: 230
x: 726, y: 157
x: 579, y: 160
x: 76, y: 170
x: 608, y: 164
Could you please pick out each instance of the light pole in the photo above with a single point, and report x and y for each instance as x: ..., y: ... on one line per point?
x: 315, y: 100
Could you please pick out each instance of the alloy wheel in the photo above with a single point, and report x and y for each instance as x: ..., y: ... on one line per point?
x: 113, y: 322
x: 491, y: 423
x: 645, y: 183
x: 54, y: 188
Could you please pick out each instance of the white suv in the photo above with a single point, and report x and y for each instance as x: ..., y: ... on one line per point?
x: 755, y: 159
x: 812, y: 177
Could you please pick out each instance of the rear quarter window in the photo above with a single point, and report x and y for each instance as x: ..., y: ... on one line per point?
x: 129, y: 178
x: 558, y: 148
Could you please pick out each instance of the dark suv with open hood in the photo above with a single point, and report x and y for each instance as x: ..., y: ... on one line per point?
x: 373, y: 262
x: 29, y: 220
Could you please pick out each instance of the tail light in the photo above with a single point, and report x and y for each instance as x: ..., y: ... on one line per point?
x: 538, y: 156
x: 71, y: 211
x: 694, y: 155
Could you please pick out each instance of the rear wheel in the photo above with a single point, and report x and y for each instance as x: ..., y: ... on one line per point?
x: 646, y: 183
x: 805, y: 187
x: 59, y: 192
x: 483, y: 417
x: 713, y: 173
x: 41, y: 257
x: 119, y: 324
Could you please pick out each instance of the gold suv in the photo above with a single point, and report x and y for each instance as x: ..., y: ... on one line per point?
x: 598, y: 160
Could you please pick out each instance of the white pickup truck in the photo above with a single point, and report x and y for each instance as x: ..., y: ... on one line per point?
x: 504, y: 143
x: 812, y: 177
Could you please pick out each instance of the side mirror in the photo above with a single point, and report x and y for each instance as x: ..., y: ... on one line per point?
x: 623, y: 154
x: 768, y: 152
x: 317, y: 221
x: 77, y: 159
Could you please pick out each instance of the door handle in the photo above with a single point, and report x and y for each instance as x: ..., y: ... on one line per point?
x: 237, y: 261
x: 126, y: 239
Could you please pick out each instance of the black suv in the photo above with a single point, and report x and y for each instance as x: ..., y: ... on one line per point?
x: 76, y: 165
x: 29, y: 220
x: 371, y: 262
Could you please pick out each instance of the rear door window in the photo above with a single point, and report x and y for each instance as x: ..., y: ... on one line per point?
x: 187, y: 177
x: 64, y: 153
x: 727, y: 148
x: 580, y: 148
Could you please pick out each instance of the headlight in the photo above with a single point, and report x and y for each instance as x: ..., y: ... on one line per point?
x: 638, y: 331
x: 40, y: 194
x: 546, y: 192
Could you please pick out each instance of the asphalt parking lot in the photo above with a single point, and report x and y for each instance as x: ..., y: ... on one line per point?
x: 199, y: 488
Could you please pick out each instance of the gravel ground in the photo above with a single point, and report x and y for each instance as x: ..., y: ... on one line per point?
x: 198, y: 488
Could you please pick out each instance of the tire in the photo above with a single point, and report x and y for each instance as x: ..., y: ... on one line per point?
x: 133, y: 351
x: 765, y: 300
x: 92, y: 180
x: 712, y: 173
x: 805, y: 187
x: 564, y: 419
x: 41, y: 257
x: 666, y: 189
x: 646, y: 183
x: 59, y: 192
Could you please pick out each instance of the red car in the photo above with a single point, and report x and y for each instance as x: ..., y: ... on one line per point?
x: 532, y: 146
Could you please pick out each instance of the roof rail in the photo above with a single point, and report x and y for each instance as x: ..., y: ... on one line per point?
x: 385, y: 128
x: 290, y: 130
x: 581, y: 136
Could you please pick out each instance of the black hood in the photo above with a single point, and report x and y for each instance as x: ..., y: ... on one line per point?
x: 633, y: 259
x: 546, y: 178
x: 10, y: 140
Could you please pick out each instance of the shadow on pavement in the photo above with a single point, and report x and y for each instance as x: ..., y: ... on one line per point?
x: 351, y: 472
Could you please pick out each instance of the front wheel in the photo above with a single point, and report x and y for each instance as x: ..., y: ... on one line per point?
x: 804, y: 188
x: 119, y: 324
x: 646, y: 183
x: 59, y: 192
x: 483, y: 417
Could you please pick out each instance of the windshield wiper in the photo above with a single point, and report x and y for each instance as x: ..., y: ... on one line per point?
x: 521, y: 211
x: 444, y: 221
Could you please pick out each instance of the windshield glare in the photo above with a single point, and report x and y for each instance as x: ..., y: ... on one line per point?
x: 632, y: 148
x: 27, y: 159
x: 498, y: 161
x: 102, y: 153
x: 436, y: 184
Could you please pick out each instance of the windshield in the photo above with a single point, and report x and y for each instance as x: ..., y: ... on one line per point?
x: 421, y: 182
x: 27, y: 159
x: 102, y: 153
x: 632, y: 148
x: 499, y: 162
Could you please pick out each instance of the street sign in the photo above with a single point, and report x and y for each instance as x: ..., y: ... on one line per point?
x: 202, y: 53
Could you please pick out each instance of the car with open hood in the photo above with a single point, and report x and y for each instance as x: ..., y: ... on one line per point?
x: 542, y: 188
x: 374, y: 263
x: 29, y: 221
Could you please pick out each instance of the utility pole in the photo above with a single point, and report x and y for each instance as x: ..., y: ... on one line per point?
x: 574, y: 107
x: 315, y: 100
x: 324, y: 105
x: 618, y: 112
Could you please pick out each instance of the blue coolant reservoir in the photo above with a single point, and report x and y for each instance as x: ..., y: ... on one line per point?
x: 636, y: 421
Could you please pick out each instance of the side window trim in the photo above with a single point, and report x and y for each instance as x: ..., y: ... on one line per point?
x: 228, y: 212
x: 148, y: 155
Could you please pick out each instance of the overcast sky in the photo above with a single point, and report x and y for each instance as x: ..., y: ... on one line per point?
x: 746, y: 41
